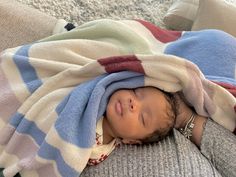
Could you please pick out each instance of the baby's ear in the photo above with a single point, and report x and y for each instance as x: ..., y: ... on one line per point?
x: 131, y: 141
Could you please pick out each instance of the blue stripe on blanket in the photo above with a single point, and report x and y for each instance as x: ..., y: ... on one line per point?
x: 213, y: 51
x: 16, y: 119
x: 49, y: 152
x: 27, y: 127
x: 72, y: 124
x: 27, y: 71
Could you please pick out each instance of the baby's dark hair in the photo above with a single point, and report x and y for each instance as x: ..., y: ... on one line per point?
x: 170, y: 121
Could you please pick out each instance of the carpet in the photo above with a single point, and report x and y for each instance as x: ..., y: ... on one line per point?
x: 80, y: 11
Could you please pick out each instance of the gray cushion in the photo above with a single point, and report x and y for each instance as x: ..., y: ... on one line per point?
x: 175, y: 156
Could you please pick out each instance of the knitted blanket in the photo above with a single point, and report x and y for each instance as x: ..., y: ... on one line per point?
x: 53, y: 91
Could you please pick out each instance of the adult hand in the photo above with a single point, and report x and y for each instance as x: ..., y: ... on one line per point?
x: 184, y: 113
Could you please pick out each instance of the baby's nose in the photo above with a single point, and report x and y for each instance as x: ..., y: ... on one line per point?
x: 133, y: 104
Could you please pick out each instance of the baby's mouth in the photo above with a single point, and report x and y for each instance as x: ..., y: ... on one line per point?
x: 118, y: 108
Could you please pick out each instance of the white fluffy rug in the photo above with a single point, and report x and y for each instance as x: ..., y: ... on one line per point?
x: 80, y: 11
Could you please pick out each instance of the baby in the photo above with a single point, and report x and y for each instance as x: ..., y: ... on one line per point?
x: 135, y: 116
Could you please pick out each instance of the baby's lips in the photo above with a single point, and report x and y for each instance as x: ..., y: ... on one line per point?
x: 118, y: 108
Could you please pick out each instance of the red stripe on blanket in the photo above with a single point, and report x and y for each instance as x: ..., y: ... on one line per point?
x: 121, y: 63
x: 162, y: 35
x: 231, y: 88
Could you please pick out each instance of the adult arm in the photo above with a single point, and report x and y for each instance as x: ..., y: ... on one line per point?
x: 215, y: 142
x: 218, y: 145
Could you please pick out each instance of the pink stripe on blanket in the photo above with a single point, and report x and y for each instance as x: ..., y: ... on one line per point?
x: 28, y: 148
x: 199, y: 91
x: 209, y: 93
x: 121, y: 63
x: 162, y: 35
x: 8, y: 102
x: 6, y: 134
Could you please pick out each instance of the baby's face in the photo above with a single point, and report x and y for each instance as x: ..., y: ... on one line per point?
x: 135, y: 114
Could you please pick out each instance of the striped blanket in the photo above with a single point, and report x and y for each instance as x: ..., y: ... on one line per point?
x: 52, y: 92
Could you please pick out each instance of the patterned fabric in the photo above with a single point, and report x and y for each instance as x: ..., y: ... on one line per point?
x: 101, y: 151
x: 54, y: 91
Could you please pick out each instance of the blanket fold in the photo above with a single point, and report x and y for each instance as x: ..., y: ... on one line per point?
x: 54, y: 91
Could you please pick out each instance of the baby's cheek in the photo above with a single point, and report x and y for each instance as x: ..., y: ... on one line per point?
x: 130, y: 128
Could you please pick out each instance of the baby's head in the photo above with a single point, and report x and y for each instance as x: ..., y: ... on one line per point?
x: 141, y: 115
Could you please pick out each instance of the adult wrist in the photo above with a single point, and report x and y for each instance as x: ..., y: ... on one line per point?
x: 187, y: 130
x: 197, y: 132
x: 193, y: 127
x: 182, y: 119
